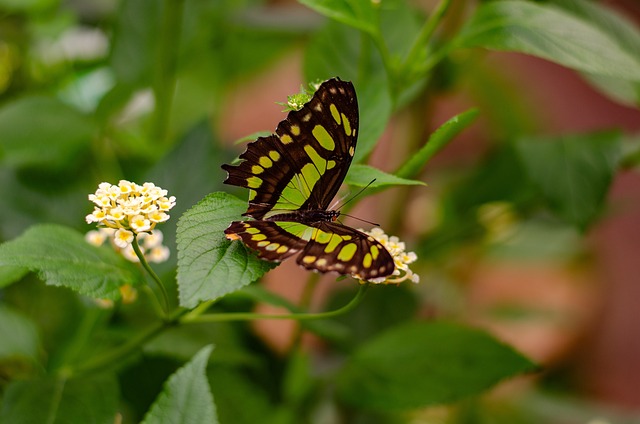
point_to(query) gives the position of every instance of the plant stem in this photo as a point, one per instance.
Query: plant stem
(249, 316)
(425, 34)
(116, 355)
(165, 71)
(151, 272)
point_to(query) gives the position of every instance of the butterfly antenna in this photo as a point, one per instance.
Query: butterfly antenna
(360, 219)
(356, 195)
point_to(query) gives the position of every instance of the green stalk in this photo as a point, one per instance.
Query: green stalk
(117, 355)
(425, 34)
(250, 316)
(165, 70)
(151, 272)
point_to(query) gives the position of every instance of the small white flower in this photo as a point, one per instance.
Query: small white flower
(95, 237)
(129, 210)
(158, 254)
(116, 214)
(130, 206)
(165, 204)
(98, 215)
(126, 187)
(139, 223)
(122, 238)
(151, 240)
(158, 216)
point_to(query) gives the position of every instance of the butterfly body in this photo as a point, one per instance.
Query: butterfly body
(293, 175)
(308, 216)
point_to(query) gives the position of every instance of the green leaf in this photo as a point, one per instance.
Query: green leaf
(376, 107)
(62, 257)
(619, 28)
(19, 335)
(11, 274)
(184, 341)
(80, 400)
(42, 131)
(573, 172)
(438, 139)
(336, 50)
(27, 6)
(359, 14)
(230, 383)
(420, 364)
(186, 397)
(209, 265)
(618, 90)
(550, 33)
(378, 313)
(360, 175)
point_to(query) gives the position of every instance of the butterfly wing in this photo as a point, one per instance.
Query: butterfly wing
(304, 163)
(336, 247)
(273, 241)
(323, 246)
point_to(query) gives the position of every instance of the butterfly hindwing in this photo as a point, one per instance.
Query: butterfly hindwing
(322, 246)
(268, 238)
(336, 247)
(303, 165)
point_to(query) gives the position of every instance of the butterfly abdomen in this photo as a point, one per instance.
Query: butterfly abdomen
(309, 216)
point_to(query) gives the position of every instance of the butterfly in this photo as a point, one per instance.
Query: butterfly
(293, 175)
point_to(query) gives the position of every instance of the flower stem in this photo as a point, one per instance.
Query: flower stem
(249, 316)
(151, 272)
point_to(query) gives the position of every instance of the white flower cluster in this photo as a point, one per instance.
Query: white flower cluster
(150, 244)
(129, 208)
(401, 258)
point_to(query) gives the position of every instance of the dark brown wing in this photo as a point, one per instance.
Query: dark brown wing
(269, 239)
(336, 247)
(304, 163)
(323, 246)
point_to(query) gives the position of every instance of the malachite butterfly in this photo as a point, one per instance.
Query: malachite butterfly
(293, 175)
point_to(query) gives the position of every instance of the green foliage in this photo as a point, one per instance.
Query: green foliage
(186, 397)
(10, 274)
(438, 139)
(625, 34)
(361, 175)
(572, 172)
(419, 364)
(62, 257)
(203, 272)
(42, 131)
(78, 400)
(552, 34)
(19, 335)
(151, 99)
(359, 14)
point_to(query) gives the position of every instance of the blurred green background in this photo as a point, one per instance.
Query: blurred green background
(528, 226)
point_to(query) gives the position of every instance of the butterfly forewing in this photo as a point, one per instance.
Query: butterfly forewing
(303, 165)
(327, 128)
